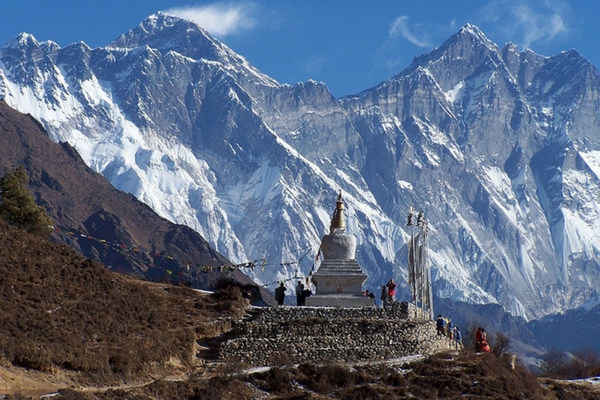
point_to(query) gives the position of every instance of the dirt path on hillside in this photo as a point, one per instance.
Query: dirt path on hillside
(19, 381)
(15, 380)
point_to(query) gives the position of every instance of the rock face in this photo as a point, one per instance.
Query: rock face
(318, 334)
(500, 148)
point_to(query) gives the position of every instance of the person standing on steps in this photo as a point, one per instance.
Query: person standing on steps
(280, 294)
(384, 296)
(391, 288)
(300, 294)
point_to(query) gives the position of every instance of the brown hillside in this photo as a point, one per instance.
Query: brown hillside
(64, 313)
(98, 220)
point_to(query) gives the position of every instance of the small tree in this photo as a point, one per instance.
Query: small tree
(18, 207)
(500, 344)
(555, 364)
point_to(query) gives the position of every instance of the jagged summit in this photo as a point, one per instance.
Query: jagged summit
(468, 44)
(164, 31)
(167, 33)
(21, 40)
(473, 30)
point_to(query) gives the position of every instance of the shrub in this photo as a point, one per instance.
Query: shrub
(500, 344)
(560, 365)
(18, 207)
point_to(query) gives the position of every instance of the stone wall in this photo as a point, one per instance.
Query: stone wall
(320, 334)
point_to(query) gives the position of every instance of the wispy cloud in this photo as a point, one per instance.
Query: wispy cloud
(529, 22)
(220, 19)
(400, 28)
(314, 65)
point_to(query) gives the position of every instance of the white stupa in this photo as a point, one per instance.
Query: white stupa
(339, 278)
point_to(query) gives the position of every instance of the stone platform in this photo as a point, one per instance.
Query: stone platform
(339, 300)
(333, 334)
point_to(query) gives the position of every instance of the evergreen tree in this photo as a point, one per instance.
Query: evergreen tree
(18, 207)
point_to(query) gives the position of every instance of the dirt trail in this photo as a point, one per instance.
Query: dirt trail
(25, 382)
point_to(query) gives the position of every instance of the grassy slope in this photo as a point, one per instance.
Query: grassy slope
(61, 311)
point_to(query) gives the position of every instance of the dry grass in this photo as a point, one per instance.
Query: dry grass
(60, 310)
(443, 376)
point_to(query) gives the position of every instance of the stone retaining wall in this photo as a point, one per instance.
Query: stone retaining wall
(320, 334)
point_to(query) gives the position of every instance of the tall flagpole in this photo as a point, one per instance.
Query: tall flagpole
(420, 223)
(419, 272)
(412, 257)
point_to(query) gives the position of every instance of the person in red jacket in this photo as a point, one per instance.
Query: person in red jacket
(481, 344)
(391, 286)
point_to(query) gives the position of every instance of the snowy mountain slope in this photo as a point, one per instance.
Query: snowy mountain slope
(499, 148)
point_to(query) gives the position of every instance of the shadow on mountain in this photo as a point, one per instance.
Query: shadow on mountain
(105, 224)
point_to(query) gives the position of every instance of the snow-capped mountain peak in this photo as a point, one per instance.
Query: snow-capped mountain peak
(499, 148)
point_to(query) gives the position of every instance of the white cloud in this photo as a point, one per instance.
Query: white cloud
(529, 22)
(220, 19)
(400, 28)
(314, 65)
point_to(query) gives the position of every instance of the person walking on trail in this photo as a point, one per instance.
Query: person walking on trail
(280, 294)
(384, 296)
(458, 339)
(391, 286)
(441, 325)
(300, 294)
(450, 329)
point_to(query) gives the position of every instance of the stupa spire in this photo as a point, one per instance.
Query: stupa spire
(338, 222)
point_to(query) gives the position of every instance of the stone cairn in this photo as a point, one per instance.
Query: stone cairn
(332, 334)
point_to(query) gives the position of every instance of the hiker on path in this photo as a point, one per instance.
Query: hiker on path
(458, 339)
(280, 294)
(441, 325)
(450, 329)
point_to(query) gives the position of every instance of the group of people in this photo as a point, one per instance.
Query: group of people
(301, 294)
(388, 293)
(445, 327)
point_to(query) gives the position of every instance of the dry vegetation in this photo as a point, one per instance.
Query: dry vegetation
(61, 311)
(445, 376)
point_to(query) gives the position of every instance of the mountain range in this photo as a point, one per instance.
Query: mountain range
(497, 146)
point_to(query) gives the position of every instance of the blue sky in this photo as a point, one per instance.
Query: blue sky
(351, 45)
